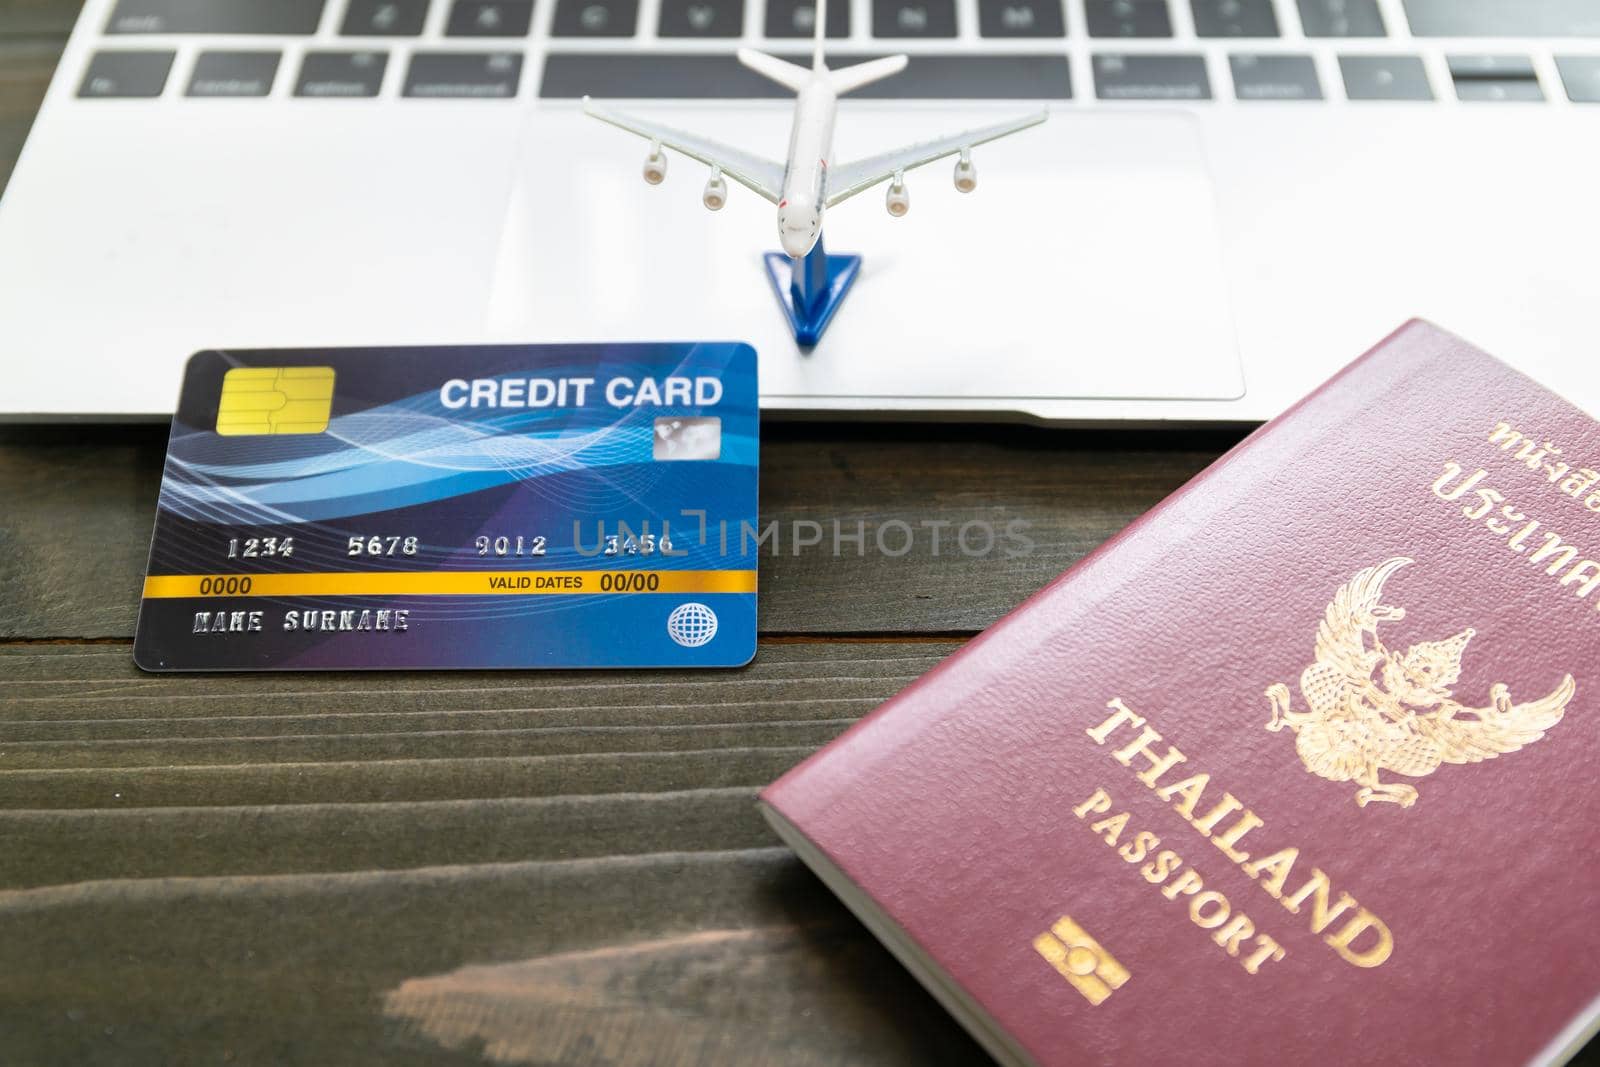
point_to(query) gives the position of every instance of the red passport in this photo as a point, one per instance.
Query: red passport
(1298, 768)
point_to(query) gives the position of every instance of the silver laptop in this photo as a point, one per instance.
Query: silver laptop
(1231, 199)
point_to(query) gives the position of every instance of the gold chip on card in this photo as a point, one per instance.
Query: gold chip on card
(275, 400)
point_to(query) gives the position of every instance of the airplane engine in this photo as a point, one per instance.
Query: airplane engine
(898, 200)
(716, 192)
(966, 176)
(655, 164)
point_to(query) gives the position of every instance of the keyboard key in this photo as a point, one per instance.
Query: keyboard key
(913, 18)
(1385, 78)
(650, 75)
(473, 75)
(1128, 18)
(1021, 18)
(1504, 18)
(569, 75)
(1491, 67)
(1341, 18)
(341, 74)
(970, 77)
(126, 74)
(1496, 91)
(234, 74)
(384, 18)
(1234, 18)
(1152, 77)
(1581, 75)
(1495, 78)
(701, 18)
(216, 16)
(596, 18)
(798, 18)
(1275, 77)
(490, 18)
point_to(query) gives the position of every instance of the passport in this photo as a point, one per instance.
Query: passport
(456, 507)
(1300, 767)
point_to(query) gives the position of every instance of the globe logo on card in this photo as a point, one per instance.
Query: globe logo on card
(692, 624)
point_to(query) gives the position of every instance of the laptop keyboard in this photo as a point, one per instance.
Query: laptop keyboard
(1276, 50)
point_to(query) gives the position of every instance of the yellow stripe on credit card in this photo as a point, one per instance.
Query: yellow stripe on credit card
(447, 583)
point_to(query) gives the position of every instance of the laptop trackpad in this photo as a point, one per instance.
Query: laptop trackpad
(1086, 265)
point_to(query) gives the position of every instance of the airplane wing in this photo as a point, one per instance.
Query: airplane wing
(754, 173)
(848, 179)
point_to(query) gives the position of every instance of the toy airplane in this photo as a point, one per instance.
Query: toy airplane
(809, 282)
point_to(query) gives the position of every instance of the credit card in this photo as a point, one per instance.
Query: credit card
(494, 506)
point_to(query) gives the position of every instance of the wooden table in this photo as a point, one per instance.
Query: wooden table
(441, 868)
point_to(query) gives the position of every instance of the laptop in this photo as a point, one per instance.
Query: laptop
(1231, 198)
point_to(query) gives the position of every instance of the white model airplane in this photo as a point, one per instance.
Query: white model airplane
(806, 185)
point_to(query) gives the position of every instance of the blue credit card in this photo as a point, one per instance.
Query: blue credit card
(496, 506)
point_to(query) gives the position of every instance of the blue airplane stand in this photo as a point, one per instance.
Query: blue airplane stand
(811, 289)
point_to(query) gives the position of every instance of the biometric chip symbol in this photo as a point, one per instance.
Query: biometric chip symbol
(1081, 960)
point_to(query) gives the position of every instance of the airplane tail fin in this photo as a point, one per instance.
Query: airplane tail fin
(852, 78)
(791, 75)
(819, 36)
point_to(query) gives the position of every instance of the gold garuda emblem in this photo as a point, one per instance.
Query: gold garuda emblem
(1372, 709)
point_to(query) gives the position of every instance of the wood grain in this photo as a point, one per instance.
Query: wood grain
(224, 776)
(25, 69)
(32, 35)
(373, 967)
(37, 18)
(590, 888)
(71, 561)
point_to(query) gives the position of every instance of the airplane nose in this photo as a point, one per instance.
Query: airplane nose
(795, 242)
